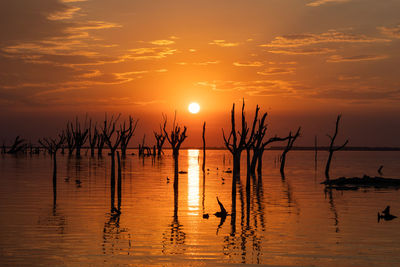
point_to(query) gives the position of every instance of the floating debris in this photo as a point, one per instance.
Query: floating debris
(365, 181)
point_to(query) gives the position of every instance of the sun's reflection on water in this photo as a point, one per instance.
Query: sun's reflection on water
(193, 182)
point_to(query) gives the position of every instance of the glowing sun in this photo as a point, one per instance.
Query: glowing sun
(194, 108)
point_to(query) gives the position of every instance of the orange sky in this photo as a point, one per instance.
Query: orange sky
(303, 61)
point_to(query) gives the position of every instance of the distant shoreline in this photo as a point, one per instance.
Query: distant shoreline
(299, 148)
(308, 148)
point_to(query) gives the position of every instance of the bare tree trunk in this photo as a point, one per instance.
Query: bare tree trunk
(328, 165)
(112, 181)
(119, 187)
(259, 159)
(54, 179)
(236, 164)
(204, 147)
(332, 148)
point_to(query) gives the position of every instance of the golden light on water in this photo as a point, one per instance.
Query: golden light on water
(194, 108)
(193, 181)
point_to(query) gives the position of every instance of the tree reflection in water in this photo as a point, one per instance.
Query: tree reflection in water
(244, 244)
(173, 239)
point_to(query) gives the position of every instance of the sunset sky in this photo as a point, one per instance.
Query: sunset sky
(302, 61)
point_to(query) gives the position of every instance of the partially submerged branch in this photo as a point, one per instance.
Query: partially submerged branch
(332, 147)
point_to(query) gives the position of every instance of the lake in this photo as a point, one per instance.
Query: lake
(290, 222)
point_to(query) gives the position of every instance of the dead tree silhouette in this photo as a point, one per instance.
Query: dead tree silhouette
(112, 143)
(100, 142)
(176, 137)
(79, 134)
(232, 143)
(332, 148)
(126, 133)
(18, 146)
(290, 141)
(52, 145)
(69, 138)
(160, 139)
(257, 143)
(92, 137)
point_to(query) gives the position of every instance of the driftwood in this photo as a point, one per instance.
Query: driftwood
(353, 183)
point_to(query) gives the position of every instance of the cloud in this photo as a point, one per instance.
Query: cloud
(248, 64)
(223, 43)
(329, 37)
(65, 14)
(162, 42)
(206, 63)
(276, 71)
(146, 53)
(92, 25)
(305, 51)
(322, 2)
(26, 20)
(255, 87)
(351, 94)
(392, 32)
(338, 58)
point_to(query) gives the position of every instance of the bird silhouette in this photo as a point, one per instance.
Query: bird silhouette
(380, 170)
(223, 212)
(386, 215)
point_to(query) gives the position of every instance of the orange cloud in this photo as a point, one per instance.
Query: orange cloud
(62, 15)
(338, 58)
(305, 51)
(275, 71)
(223, 43)
(322, 2)
(248, 64)
(331, 36)
(392, 32)
(162, 42)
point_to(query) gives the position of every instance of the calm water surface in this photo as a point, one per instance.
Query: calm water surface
(277, 222)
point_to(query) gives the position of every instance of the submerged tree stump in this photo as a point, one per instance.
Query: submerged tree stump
(344, 183)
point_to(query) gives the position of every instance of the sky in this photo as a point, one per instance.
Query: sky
(302, 61)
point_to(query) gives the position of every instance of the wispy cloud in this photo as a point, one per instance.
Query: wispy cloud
(223, 43)
(276, 71)
(254, 87)
(162, 42)
(248, 64)
(322, 2)
(302, 51)
(62, 15)
(339, 58)
(392, 32)
(331, 36)
(146, 53)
